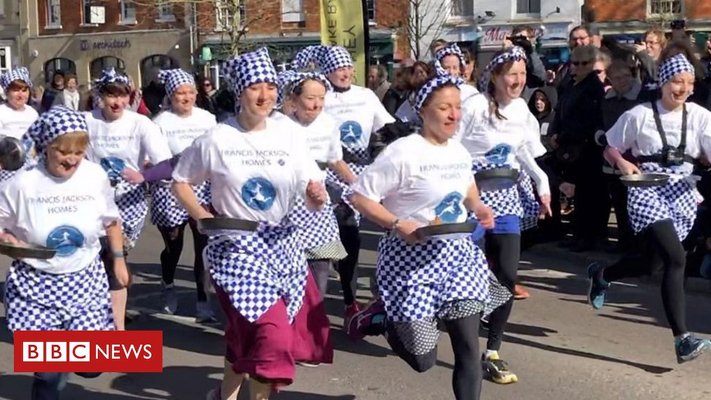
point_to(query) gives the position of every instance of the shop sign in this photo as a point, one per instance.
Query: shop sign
(104, 44)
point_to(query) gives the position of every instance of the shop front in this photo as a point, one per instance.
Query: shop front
(137, 54)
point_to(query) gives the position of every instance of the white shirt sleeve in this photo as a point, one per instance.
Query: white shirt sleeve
(335, 151)
(381, 115)
(153, 141)
(379, 179)
(110, 211)
(704, 133)
(194, 165)
(623, 133)
(529, 164)
(8, 213)
(533, 137)
(305, 167)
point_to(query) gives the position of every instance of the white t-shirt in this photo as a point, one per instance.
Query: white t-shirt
(255, 175)
(468, 91)
(67, 215)
(514, 141)
(180, 132)
(15, 123)
(323, 138)
(359, 113)
(418, 180)
(131, 138)
(636, 130)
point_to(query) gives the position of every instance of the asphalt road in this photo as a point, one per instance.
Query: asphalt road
(558, 346)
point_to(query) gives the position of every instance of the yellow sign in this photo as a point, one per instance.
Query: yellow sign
(342, 25)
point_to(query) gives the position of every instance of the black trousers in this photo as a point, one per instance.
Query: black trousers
(503, 252)
(169, 257)
(350, 238)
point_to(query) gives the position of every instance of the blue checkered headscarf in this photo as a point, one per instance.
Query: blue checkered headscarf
(16, 74)
(304, 58)
(331, 58)
(249, 69)
(673, 66)
(512, 54)
(56, 122)
(450, 50)
(433, 84)
(109, 76)
(174, 78)
(290, 80)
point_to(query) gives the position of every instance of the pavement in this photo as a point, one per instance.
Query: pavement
(559, 347)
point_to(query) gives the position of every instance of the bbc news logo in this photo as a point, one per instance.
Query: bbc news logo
(88, 351)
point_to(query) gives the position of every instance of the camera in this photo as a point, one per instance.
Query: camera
(678, 24)
(519, 40)
(672, 156)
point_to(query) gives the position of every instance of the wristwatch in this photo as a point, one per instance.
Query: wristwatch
(394, 224)
(117, 254)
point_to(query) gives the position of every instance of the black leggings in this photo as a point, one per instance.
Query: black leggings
(321, 269)
(464, 336)
(350, 237)
(662, 249)
(170, 255)
(503, 252)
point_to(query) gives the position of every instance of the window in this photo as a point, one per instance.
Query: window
(292, 10)
(225, 12)
(87, 10)
(151, 65)
(370, 9)
(98, 65)
(165, 11)
(53, 14)
(528, 6)
(128, 12)
(664, 7)
(5, 59)
(56, 65)
(462, 8)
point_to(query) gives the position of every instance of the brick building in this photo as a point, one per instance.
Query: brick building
(632, 17)
(285, 26)
(85, 36)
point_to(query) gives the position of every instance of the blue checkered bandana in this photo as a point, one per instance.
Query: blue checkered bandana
(174, 78)
(109, 76)
(249, 69)
(308, 58)
(673, 66)
(433, 84)
(17, 74)
(451, 50)
(290, 80)
(512, 54)
(332, 58)
(56, 122)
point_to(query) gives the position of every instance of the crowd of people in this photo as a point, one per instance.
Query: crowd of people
(300, 157)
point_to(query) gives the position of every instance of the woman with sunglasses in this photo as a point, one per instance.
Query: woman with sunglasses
(665, 136)
(258, 167)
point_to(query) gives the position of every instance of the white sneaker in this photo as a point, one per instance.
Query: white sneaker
(170, 297)
(205, 315)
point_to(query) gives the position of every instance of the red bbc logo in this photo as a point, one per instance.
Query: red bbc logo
(88, 351)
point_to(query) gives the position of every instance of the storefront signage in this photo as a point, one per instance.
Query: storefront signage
(494, 35)
(105, 44)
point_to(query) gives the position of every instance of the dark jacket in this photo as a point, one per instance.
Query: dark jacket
(393, 99)
(579, 114)
(544, 117)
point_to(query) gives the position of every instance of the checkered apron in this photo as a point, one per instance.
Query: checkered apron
(530, 205)
(40, 301)
(502, 202)
(318, 231)
(131, 202)
(337, 189)
(166, 211)
(257, 269)
(677, 201)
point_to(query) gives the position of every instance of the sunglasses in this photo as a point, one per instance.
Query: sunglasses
(583, 63)
(598, 71)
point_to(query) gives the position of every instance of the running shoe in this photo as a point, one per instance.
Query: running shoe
(170, 298)
(204, 313)
(370, 321)
(307, 364)
(520, 293)
(498, 369)
(691, 347)
(598, 286)
(348, 314)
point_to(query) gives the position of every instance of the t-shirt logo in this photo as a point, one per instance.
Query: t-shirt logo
(65, 240)
(258, 194)
(351, 132)
(450, 208)
(499, 154)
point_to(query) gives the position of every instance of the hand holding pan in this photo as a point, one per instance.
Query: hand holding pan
(12, 154)
(23, 250)
(496, 179)
(447, 231)
(644, 180)
(207, 225)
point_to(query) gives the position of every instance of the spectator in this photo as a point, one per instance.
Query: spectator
(436, 46)
(422, 72)
(602, 62)
(206, 96)
(378, 80)
(52, 92)
(397, 94)
(153, 95)
(70, 97)
(36, 97)
(137, 103)
(578, 36)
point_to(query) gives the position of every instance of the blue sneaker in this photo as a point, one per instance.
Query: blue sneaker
(598, 286)
(691, 347)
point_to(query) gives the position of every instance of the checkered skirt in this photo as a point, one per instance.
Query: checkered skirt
(318, 231)
(529, 204)
(166, 211)
(416, 281)
(131, 202)
(502, 202)
(40, 301)
(256, 270)
(677, 201)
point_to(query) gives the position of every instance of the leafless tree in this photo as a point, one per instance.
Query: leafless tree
(425, 19)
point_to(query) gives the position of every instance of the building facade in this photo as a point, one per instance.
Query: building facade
(9, 34)
(85, 36)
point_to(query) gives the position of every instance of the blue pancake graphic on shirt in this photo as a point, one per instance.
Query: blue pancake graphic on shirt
(113, 166)
(450, 208)
(259, 194)
(499, 154)
(65, 239)
(351, 132)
